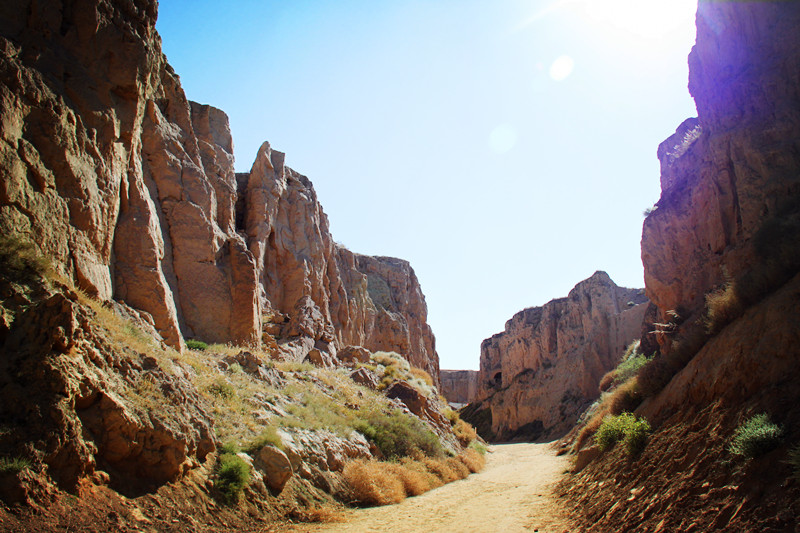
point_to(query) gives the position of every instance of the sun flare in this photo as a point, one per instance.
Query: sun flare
(644, 18)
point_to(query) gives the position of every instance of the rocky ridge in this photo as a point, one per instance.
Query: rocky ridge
(130, 189)
(539, 374)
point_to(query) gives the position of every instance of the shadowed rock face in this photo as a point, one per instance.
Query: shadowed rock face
(734, 167)
(539, 374)
(130, 189)
(459, 386)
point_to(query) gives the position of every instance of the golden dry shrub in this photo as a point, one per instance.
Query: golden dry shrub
(373, 482)
(473, 460)
(590, 428)
(723, 306)
(458, 467)
(607, 381)
(416, 465)
(324, 514)
(464, 432)
(415, 481)
(421, 374)
(440, 468)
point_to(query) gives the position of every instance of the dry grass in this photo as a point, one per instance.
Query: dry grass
(473, 460)
(422, 375)
(458, 467)
(323, 514)
(415, 481)
(441, 469)
(464, 432)
(373, 482)
(723, 306)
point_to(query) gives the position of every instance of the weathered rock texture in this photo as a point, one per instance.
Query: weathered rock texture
(735, 166)
(459, 386)
(130, 189)
(728, 213)
(538, 375)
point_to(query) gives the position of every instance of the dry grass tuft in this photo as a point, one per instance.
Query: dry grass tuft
(723, 306)
(441, 469)
(464, 432)
(473, 460)
(458, 467)
(324, 514)
(373, 482)
(415, 481)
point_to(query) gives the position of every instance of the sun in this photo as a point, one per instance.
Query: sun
(651, 19)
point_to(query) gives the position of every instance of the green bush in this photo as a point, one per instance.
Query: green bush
(268, 437)
(630, 367)
(625, 427)
(478, 447)
(222, 389)
(399, 435)
(756, 436)
(233, 476)
(12, 465)
(194, 344)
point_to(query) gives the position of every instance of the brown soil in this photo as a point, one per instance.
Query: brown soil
(513, 493)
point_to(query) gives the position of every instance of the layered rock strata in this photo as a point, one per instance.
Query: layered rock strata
(459, 386)
(539, 374)
(130, 189)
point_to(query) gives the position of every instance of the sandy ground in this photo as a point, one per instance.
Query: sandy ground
(513, 493)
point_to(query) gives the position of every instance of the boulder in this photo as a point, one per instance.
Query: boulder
(275, 466)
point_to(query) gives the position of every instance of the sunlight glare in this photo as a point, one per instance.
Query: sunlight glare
(652, 19)
(561, 68)
(502, 139)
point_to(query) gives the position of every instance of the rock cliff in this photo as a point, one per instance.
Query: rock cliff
(721, 257)
(539, 374)
(459, 386)
(130, 189)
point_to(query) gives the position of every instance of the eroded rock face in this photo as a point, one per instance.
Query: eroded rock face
(459, 386)
(130, 188)
(734, 167)
(541, 372)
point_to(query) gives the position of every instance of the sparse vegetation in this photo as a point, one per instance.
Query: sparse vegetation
(756, 436)
(397, 435)
(478, 447)
(194, 344)
(268, 437)
(233, 475)
(626, 427)
(12, 465)
(20, 261)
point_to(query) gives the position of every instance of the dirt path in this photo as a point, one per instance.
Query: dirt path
(511, 494)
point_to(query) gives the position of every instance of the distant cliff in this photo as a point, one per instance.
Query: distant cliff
(459, 386)
(539, 374)
(130, 189)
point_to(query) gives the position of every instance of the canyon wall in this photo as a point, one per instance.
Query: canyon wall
(721, 252)
(460, 386)
(129, 188)
(538, 375)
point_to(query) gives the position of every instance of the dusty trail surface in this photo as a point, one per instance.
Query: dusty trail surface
(513, 493)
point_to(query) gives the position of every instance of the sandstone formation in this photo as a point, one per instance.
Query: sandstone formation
(728, 216)
(130, 188)
(735, 167)
(459, 386)
(539, 374)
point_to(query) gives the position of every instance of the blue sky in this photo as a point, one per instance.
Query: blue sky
(505, 148)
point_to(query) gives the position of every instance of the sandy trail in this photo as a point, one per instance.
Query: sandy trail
(513, 493)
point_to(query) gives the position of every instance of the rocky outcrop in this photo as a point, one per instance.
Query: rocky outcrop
(538, 375)
(130, 188)
(728, 215)
(735, 167)
(459, 386)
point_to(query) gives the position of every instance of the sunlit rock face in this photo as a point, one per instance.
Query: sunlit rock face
(459, 386)
(539, 374)
(130, 189)
(736, 166)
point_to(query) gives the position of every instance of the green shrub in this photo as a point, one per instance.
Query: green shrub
(625, 427)
(399, 435)
(478, 447)
(229, 448)
(233, 476)
(268, 437)
(222, 389)
(194, 344)
(630, 367)
(12, 465)
(756, 436)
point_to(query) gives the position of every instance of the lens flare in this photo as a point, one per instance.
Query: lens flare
(561, 68)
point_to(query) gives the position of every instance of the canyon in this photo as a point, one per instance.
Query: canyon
(185, 314)
(129, 188)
